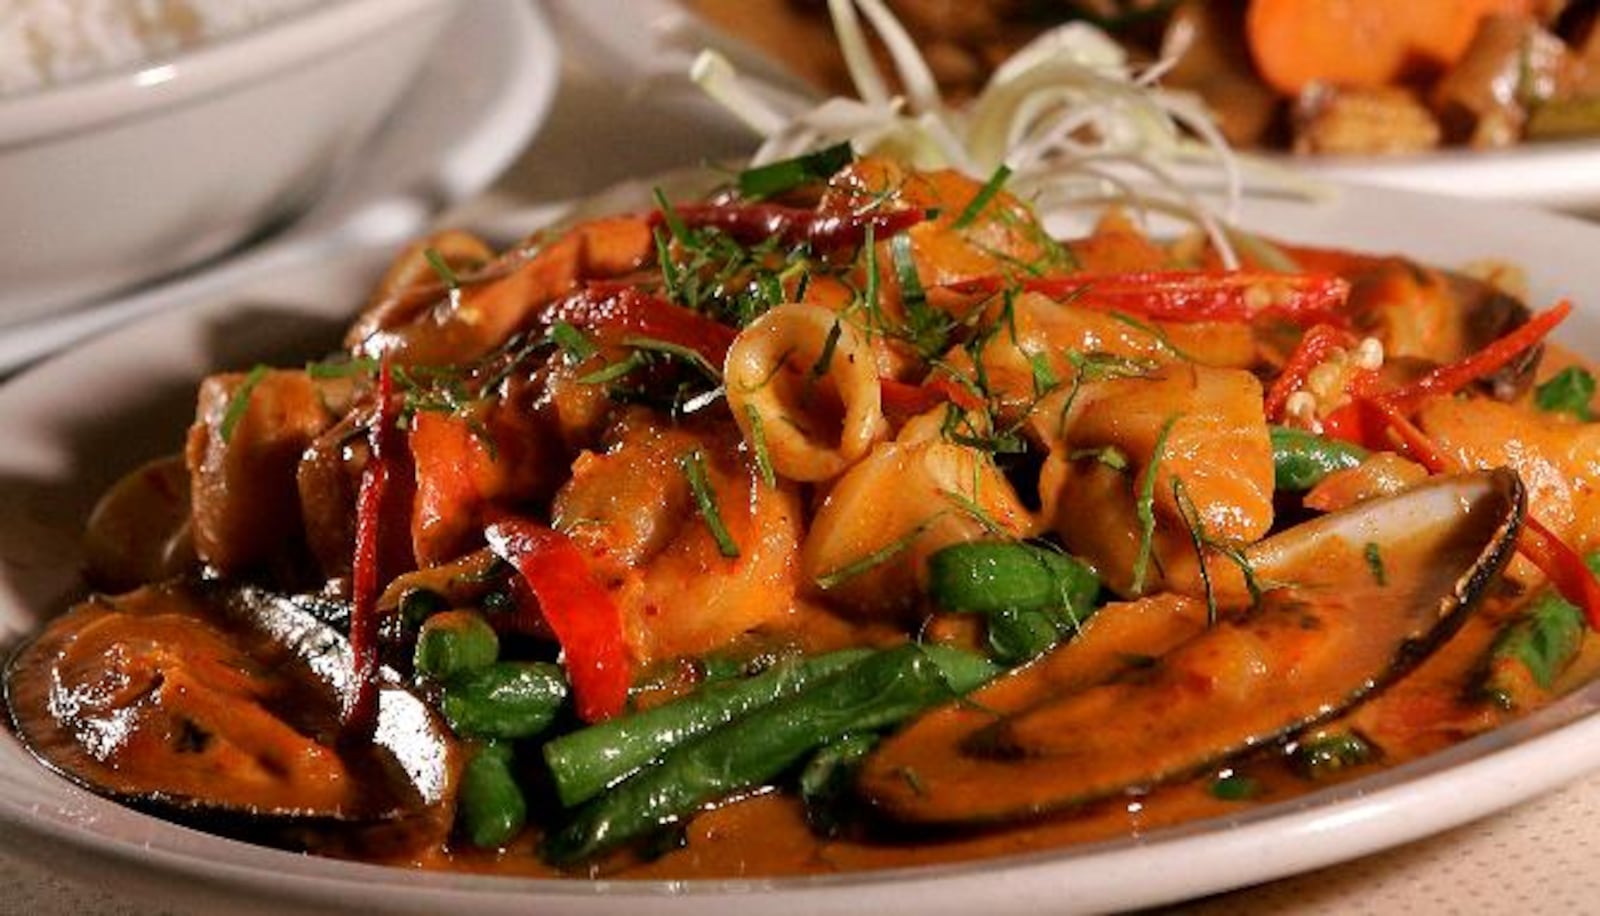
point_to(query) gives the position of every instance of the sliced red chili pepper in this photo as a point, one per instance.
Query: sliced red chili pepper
(620, 307)
(752, 224)
(361, 714)
(903, 400)
(1191, 295)
(1458, 375)
(578, 609)
(1312, 351)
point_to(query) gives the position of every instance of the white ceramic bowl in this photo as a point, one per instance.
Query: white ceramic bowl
(120, 179)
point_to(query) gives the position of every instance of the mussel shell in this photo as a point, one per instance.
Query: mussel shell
(1357, 599)
(209, 702)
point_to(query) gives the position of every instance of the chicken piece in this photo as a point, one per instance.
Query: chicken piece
(869, 554)
(1215, 443)
(242, 454)
(632, 510)
(1559, 460)
(1362, 122)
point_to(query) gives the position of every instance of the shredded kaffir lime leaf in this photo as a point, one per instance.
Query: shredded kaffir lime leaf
(240, 402)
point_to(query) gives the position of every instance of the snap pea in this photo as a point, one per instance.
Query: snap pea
(490, 808)
(453, 642)
(1032, 597)
(504, 700)
(873, 693)
(1301, 459)
(584, 762)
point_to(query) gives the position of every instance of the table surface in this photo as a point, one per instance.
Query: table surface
(1538, 858)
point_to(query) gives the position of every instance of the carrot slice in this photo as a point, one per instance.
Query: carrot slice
(1362, 43)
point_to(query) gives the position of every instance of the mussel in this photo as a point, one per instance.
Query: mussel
(1152, 692)
(204, 702)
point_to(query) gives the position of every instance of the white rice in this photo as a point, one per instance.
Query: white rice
(46, 42)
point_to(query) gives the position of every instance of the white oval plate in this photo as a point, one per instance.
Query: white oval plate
(479, 97)
(78, 421)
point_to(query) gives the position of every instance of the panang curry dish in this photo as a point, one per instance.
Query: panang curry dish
(842, 520)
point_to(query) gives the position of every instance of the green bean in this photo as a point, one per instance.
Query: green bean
(453, 642)
(504, 700)
(1301, 459)
(1032, 597)
(490, 808)
(584, 762)
(874, 693)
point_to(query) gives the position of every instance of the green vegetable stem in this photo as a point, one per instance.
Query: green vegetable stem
(874, 693)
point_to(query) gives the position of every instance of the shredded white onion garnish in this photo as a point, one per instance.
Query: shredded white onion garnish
(1077, 124)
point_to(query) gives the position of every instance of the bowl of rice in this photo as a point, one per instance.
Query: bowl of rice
(140, 137)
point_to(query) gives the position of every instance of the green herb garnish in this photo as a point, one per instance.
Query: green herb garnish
(981, 199)
(240, 402)
(440, 266)
(693, 466)
(1374, 557)
(1569, 391)
(777, 177)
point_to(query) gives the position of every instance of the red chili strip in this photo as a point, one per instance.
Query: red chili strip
(751, 224)
(1492, 358)
(578, 609)
(903, 400)
(361, 715)
(620, 307)
(1188, 295)
(1313, 349)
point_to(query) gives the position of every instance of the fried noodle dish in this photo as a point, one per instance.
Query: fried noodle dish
(841, 519)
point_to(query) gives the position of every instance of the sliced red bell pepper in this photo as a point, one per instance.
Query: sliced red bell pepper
(1190, 295)
(752, 224)
(1449, 379)
(577, 608)
(621, 307)
(361, 713)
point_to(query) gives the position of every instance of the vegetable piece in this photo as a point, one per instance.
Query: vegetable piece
(1301, 459)
(361, 715)
(490, 808)
(504, 700)
(1033, 597)
(693, 465)
(578, 609)
(876, 692)
(453, 643)
(1577, 118)
(787, 174)
(1530, 653)
(1191, 295)
(584, 762)
(1361, 43)
(1569, 391)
